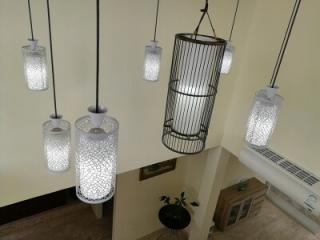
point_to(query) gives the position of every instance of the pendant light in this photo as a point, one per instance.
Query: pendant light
(228, 54)
(194, 78)
(96, 148)
(266, 105)
(35, 62)
(152, 57)
(56, 131)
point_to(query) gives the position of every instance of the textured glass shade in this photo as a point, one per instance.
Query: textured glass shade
(263, 117)
(35, 66)
(57, 144)
(194, 78)
(96, 157)
(152, 62)
(227, 58)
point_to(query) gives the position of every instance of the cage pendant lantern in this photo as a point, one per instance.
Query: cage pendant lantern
(267, 103)
(96, 148)
(229, 52)
(35, 62)
(56, 131)
(152, 56)
(194, 78)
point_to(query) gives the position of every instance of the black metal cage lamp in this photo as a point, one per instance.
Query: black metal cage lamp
(194, 78)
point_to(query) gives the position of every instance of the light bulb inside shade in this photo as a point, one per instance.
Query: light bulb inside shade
(35, 66)
(263, 117)
(191, 95)
(57, 144)
(96, 156)
(152, 62)
(227, 58)
(189, 110)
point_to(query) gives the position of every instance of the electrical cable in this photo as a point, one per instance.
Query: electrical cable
(52, 63)
(30, 19)
(285, 43)
(156, 23)
(234, 19)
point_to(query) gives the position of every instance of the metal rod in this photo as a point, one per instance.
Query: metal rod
(52, 63)
(156, 24)
(285, 43)
(98, 57)
(234, 19)
(30, 19)
(213, 30)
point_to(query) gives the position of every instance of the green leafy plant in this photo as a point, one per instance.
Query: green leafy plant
(242, 185)
(178, 201)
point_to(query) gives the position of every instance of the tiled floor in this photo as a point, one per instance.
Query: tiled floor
(271, 224)
(165, 236)
(72, 222)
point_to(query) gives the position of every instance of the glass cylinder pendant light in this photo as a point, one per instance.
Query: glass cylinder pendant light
(56, 132)
(152, 57)
(152, 62)
(35, 62)
(264, 115)
(96, 149)
(96, 156)
(57, 146)
(193, 84)
(228, 54)
(227, 58)
(266, 105)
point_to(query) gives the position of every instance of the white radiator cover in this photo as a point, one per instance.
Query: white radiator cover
(293, 209)
(305, 195)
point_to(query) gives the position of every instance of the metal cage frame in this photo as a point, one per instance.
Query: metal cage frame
(194, 79)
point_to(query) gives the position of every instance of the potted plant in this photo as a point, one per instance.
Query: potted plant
(174, 214)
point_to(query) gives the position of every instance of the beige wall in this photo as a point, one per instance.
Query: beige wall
(297, 133)
(211, 182)
(126, 27)
(236, 171)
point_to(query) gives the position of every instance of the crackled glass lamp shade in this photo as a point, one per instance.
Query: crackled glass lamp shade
(152, 62)
(96, 156)
(227, 58)
(35, 66)
(57, 143)
(263, 117)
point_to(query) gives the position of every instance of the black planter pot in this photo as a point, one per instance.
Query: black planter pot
(174, 217)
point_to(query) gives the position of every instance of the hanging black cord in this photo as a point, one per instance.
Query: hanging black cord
(214, 32)
(204, 13)
(234, 19)
(30, 19)
(52, 65)
(156, 24)
(285, 43)
(98, 44)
